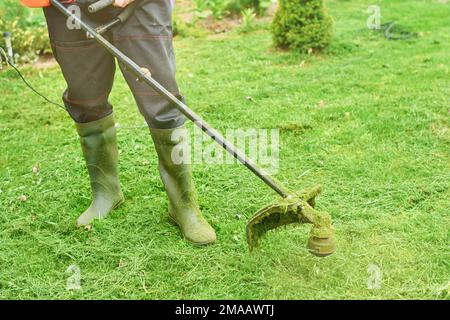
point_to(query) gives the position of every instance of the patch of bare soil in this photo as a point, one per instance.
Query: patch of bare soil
(185, 12)
(219, 26)
(45, 62)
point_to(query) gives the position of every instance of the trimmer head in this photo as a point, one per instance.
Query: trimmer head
(296, 208)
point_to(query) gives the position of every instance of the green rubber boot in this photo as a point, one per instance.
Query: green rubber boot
(99, 145)
(177, 179)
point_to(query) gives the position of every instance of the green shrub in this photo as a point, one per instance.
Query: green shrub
(301, 25)
(248, 19)
(28, 29)
(217, 8)
(178, 26)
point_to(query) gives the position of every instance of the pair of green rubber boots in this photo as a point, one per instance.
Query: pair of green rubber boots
(99, 145)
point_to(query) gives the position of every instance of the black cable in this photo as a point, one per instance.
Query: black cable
(399, 32)
(402, 33)
(2, 51)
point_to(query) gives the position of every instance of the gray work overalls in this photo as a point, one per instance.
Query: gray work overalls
(146, 37)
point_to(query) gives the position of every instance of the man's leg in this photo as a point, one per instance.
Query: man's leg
(147, 39)
(89, 72)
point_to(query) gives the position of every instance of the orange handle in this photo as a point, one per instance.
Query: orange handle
(36, 3)
(42, 3)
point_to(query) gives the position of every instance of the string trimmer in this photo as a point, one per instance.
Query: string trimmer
(292, 208)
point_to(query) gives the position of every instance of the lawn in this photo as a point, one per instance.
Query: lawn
(368, 119)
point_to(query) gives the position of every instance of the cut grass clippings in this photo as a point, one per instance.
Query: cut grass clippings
(368, 119)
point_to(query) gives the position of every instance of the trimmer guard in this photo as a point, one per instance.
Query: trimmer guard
(296, 208)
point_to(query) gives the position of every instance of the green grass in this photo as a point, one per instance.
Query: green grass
(380, 146)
